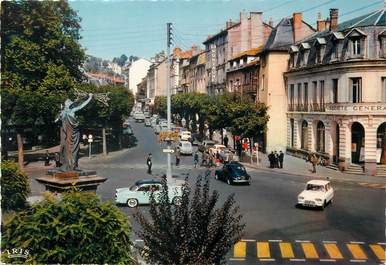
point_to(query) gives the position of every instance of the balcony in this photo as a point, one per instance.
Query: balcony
(310, 107)
(249, 88)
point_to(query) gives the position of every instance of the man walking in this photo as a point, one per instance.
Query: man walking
(149, 164)
(47, 159)
(271, 159)
(276, 160)
(195, 159)
(281, 159)
(226, 140)
(177, 156)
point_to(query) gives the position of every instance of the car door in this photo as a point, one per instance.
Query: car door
(330, 192)
(143, 194)
(226, 172)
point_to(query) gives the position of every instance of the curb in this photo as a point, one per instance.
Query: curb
(310, 176)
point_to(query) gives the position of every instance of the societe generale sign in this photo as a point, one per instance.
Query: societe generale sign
(357, 108)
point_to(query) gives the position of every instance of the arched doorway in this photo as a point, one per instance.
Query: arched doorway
(320, 137)
(304, 136)
(357, 143)
(381, 144)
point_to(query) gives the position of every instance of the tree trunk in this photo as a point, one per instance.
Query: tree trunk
(20, 150)
(222, 136)
(104, 145)
(210, 134)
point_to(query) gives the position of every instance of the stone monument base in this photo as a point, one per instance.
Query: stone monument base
(61, 181)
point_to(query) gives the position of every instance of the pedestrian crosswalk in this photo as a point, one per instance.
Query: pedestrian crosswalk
(373, 185)
(304, 250)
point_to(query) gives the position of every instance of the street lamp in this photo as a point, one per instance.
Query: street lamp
(90, 140)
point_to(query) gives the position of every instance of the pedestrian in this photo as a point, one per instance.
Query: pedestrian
(239, 148)
(149, 164)
(195, 159)
(276, 160)
(314, 161)
(270, 158)
(47, 159)
(281, 159)
(177, 156)
(57, 160)
(204, 160)
(226, 140)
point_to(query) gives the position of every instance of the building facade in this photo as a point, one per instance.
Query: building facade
(336, 93)
(272, 88)
(135, 72)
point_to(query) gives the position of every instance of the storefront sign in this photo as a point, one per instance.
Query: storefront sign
(361, 108)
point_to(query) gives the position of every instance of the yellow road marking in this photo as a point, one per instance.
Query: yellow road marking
(378, 251)
(310, 251)
(286, 250)
(356, 251)
(263, 250)
(240, 249)
(333, 251)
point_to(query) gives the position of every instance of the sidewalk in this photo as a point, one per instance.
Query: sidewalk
(299, 167)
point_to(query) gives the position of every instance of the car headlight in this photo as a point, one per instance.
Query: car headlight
(318, 200)
(301, 198)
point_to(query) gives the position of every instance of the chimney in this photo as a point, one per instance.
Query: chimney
(333, 19)
(228, 24)
(270, 22)
(297, 26)
(320, 24)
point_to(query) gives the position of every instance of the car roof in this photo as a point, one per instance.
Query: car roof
(318, 182)
(147, 181)
(233, 164)
(219, 145)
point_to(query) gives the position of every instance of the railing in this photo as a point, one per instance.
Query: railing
(249, 88)
(310, 107)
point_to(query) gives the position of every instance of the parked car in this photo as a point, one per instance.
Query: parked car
(139, 117)
(139, 193)
(185, 136)
(186, 148)
(233, 173)
(147, 122)
(205, 145)
(317, 193)
(157, 129)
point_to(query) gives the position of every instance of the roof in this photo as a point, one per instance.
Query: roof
(148, 181)
(217, 35)
(318, 182)
(375, 18)
(281, 36)
(251, 52)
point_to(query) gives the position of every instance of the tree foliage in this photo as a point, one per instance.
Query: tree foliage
(14, 187)
(78, 229)
(160, 105)
(196, 232)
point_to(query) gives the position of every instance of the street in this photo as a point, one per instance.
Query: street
(348, 230)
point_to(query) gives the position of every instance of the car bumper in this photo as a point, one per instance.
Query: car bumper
(241, 180)
(308, 203)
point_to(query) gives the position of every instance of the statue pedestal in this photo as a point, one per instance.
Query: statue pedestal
(61, 181)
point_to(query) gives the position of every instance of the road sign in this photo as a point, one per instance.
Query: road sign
(168, 151)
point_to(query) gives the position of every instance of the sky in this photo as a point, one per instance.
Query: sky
(133, 27)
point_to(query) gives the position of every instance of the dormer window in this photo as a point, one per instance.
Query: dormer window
(320, 45)
(357, 47)
(336, 39)
(294, 50)
(305, 50)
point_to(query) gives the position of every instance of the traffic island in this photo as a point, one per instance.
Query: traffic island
(59, 181)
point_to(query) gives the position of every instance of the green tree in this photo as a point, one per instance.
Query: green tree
(120, 60)
(196, 232)
(159, 106)
(77, 229)
(41, 59)
(14, 187)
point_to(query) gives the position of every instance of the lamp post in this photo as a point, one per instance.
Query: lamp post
(90, 140)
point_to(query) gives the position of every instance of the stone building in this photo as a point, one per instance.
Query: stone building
(336, 93)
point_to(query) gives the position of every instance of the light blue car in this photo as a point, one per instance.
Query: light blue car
(139, 193)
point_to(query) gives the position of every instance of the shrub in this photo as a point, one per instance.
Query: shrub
(76, 229)
(14, 187)
(193, 233)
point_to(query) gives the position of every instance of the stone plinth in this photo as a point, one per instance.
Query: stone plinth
(59, 181)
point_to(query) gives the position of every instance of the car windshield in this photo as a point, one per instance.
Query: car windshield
(133, 187)
(239, 168)
(314, 187)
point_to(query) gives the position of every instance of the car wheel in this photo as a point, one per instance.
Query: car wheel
(229, 182)
(177, 201)
(132, 203)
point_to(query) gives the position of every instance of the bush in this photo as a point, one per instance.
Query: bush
(77, 229)
(14, 187)
(193, 233)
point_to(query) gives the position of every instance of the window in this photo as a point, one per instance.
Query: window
(144, 188)
(299, 93)
(262, 82)
(292, 124)
(321, 92)
(383, 46)
(383, 89)
(304, 138)
(315, 92)
(305, 101)
(334, 90)
(356, 46)
(292, 95)
(356, 90)
(320, 137)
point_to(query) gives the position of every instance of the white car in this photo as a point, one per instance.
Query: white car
(318, 193)
(185, 136)
(217, 148)
(186, 148)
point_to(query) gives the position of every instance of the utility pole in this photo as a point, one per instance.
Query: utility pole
(168, 64)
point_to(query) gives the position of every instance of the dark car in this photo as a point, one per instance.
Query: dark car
(233, 173)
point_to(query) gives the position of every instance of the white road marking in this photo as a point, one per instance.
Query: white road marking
(248, 240)
(297, 259)
(302, 241)
(275, 240)
(381, 243)
(328, 241)
(328, 260)
(267, 259)
(357, 260)
(357, 242)
(236, 259)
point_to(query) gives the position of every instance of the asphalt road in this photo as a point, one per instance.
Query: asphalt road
(346, 232)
